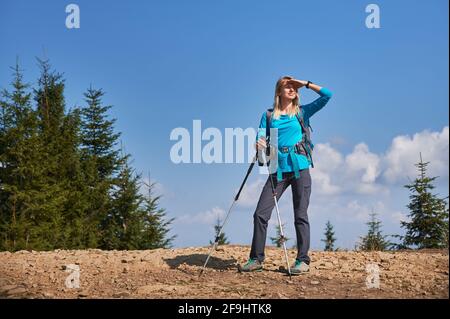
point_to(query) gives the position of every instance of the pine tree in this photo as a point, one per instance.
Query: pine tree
(79, 230)
(222, 239)
(98, 137)
(31, 213)
(374, 240)
(428, 225)
(120, 227)
(60, 165)
(329, 237)
(17, 148)
(155, 227)
(100, 163)
(50, 102)
(278, 240)
(134, 221)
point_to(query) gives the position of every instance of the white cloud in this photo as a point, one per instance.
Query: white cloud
(357, 174)
(362, 211)
(322, 183)
(399, 217)
(371, 189)
(362, 160)
(208, 217)
(366, 173)
(357, 210)
(404, 153)
(350, 189)
(250, 193)
(328, 162)
(327, 158)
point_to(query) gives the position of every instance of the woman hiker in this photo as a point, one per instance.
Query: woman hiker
(293, 169)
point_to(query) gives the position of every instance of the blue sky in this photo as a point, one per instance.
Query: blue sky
(163, 64)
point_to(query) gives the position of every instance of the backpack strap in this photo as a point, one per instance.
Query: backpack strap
(299, 116)
(305, 143)
(305, 130)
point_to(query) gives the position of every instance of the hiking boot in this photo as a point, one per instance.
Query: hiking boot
(251, 265)
(299, 267)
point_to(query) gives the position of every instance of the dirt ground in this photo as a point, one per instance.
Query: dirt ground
(174, 273)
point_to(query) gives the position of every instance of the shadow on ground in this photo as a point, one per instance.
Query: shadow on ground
(199, 260)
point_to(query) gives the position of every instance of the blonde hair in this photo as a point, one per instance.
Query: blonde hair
(294, 109)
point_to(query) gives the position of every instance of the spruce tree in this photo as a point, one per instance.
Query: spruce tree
(120, 227)
(100, 163)
(59, 188)
(155, 224)
(222, 240)
(428, 214)
(99, 140)
(329, 237)
(18, 147)
(278, 240)
(374, 240)
(79, 230)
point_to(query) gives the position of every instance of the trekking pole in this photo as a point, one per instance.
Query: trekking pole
(282, 238)
(216, 241)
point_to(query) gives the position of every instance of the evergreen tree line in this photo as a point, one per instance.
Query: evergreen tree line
(64, 181)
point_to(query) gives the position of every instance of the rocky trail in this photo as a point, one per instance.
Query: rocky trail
(173, 273)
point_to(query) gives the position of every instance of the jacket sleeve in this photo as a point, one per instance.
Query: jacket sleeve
(311, 108)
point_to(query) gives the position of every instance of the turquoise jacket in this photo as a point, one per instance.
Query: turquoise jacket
(290, 132)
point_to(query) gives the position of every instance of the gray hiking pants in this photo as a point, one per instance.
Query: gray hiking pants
(301, 191)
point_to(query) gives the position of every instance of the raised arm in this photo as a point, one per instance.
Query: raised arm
(325, 95)
(311, 108)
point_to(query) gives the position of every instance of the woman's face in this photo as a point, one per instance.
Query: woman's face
(288, 91)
